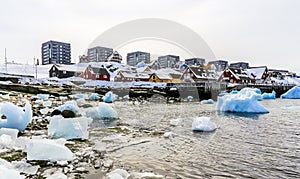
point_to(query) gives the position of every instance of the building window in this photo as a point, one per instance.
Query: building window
(104, 76)
(64, 72)
(97, 76)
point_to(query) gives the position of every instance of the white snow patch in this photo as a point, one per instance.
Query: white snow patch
(47, 103)
(203, 124)
(13, 133)
(69, 105)
(6, 173)
(209, 101)
(43, 97)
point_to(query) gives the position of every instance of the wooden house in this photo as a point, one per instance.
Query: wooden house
(192, 74)
(160, 78)
(64, 71)
(96, 73)
(129, 76)
(233, 75)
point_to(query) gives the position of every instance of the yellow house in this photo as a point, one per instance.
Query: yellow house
(175, 77)
(160, 78)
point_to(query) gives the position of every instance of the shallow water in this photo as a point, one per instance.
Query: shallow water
(243, 146)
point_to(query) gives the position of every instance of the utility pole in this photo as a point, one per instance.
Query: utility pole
(5, 61)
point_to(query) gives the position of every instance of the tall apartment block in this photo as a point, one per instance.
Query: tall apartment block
(134, 58)
(168, 61)
(221, 65)
(195, 61)
(99, 54)
(54, 52)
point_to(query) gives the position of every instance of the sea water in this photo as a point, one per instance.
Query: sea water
(242, 146)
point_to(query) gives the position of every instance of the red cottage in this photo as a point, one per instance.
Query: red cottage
(95, 73)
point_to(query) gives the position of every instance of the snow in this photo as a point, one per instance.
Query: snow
(6, 141)
(24, 167)
(46, 149)
(209, 101)
(44, 111)
(47, 103)
(69, 105)
(4, 96)
(269, 95)
(109, 97)
(103, 111)
(79, 96)
(94, 97)
(293, 93)
(6, 173)
(16, 117)
(203, 124)
(245, 101)
(69, 128)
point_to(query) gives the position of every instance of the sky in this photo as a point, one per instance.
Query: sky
(261, 32)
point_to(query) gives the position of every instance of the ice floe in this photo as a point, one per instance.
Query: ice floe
(209, 101)
(118, 173)
(94, 96)
(109, 97)
(69, 128)
(293, 93)
(103, 111)
(245, 101)
(203, 124)
(43, 97)
(46, 149)
(69, 105)
(269, 95)
(7, 173)
(15, 117)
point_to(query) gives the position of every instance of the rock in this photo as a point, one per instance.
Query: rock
(108, 163)
(56, 112)
(118, 173)
(68, 114)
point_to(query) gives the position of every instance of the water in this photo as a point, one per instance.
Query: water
(243, 146)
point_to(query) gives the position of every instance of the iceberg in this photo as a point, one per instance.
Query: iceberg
(69, 105)
(269, 95)
(13, 133)
(209, 101)
(245, 101)
(109, 97)
(103, 111)
(46, 149)
(94, 97)
(69, 128)
(293, 93)
(203, 124)
(15, 117)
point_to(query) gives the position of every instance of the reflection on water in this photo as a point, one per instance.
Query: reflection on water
(243, 146)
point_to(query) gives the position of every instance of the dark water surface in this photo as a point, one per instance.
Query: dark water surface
(243, 146)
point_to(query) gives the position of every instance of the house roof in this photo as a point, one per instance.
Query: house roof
(162, 76)
(239, 73)
(130, 74)
(96, 70)
(256, 73)
(202, 73)
(72, 68)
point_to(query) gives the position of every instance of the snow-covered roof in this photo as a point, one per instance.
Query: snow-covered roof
(73, 68)
(255, 73)
(162, 76)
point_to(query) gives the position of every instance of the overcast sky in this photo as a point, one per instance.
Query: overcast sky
(261, 32)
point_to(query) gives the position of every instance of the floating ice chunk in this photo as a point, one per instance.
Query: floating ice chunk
(94, 96)
(269, 95)
(24, 167)
(46, 149)
(245, 101)
(6, 173)
(13, 133)
(126, 97)
(54, 174)
(47, 103)
(6, 96)
(5, 141)
(103, 111)
(78, 96)
(69, 128)
(5, 163)
(176, 122)
(293, 93)
(109, 97)
(69, 105)
(63, 98)
(190, 98)
(146, 175)
(15, 117)
(44, 111)
(203, 124)
(118, 173)
(209, 101)
(43, 97)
